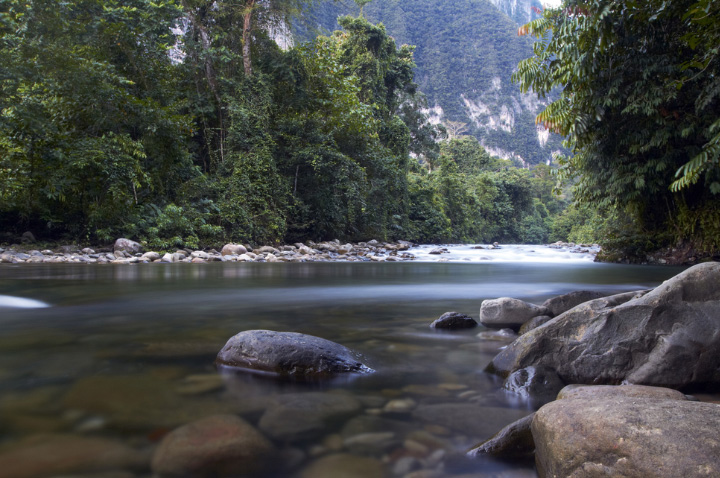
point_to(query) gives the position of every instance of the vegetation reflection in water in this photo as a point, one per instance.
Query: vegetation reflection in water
(127, 353)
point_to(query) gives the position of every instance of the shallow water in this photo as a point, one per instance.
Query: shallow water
(126, 352)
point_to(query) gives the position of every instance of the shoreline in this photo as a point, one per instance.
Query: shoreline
(129, 252)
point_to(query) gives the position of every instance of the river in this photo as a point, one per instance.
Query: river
(127, 352)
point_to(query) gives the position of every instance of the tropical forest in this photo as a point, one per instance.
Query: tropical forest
(190, 123)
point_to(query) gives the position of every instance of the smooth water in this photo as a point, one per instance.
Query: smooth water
(127, 352)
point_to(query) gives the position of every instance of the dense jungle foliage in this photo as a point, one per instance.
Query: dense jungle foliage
(465, 51)
(183, 124)
(640, 110)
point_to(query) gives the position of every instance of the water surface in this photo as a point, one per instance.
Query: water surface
(126, 352)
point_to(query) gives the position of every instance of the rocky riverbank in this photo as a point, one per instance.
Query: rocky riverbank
(125, 251)
(666, 337)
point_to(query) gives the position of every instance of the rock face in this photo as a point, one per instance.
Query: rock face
(126, 245)
(218, 445)
(562, 303)
(454, 320)
(628, 437)
(668, 337)
(288, 354)
(507, 312)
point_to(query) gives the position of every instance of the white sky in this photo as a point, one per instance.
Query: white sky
(551, 3)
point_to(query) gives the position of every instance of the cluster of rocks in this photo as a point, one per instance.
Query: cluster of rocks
(576, 248)
(126, 251)
(667, 337)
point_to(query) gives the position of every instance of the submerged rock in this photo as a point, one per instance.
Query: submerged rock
(667, 337)
(507, 312)
(303, 416)
(629, 437)
(55, 455)
(344, 465)
(454, 320)
(289, 354)
(218, 445)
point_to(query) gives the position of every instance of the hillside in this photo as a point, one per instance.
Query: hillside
(465, 52)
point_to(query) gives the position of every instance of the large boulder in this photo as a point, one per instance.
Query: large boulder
(562, 303)
(667, 337)
(126, 245)
(288, 354)
(628, 437)
(218, 445)
(508, 313)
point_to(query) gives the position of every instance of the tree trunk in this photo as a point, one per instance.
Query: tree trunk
(247, 27)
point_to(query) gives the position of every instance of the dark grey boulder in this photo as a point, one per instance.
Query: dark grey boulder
(454, 320)
(627, 437)
(288, 354)
(563, 303)
(667, 337)
(513, 441)
(539, 385)
(509, 313)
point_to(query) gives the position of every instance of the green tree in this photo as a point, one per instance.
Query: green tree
(638, 107)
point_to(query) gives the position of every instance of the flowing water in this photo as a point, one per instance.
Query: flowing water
(127, 353)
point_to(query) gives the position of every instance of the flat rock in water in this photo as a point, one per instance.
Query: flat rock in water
(344, 465)
(454, 320)
(669, 337)
(289, 354)
(219, 445)
(55, 455)
(303, 416)
(627, 437)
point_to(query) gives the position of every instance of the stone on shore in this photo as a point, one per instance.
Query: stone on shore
(454, 320)
(126, 245)
(289, 354)
(667, 337)
(233, 250)
(218, 445)
(507, 312)
(627, 437)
